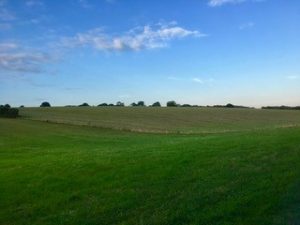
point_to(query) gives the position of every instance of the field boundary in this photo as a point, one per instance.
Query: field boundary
(145, 131)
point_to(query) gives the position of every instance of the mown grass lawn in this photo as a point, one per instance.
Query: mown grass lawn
(65, 174)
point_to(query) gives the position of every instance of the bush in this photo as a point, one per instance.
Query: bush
(120, 104)
(13, 113)
(156, 104)
(103, 104)
(45, 104)
(3, 110)
(229, 105)
(6, 111)
(171, 104)
(141, 103)
(84, 105)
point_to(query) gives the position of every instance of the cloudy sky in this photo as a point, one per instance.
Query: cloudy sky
(191, 51)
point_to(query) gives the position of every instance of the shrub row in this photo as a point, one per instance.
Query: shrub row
(7, 112)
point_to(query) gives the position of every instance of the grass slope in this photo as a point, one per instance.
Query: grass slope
(63, 174)
(166, 120)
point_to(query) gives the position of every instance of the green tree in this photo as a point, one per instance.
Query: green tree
(141, 103)
(171, 104)
(45, 104)
(156, 104)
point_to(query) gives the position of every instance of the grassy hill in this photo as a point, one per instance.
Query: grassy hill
(54, 173)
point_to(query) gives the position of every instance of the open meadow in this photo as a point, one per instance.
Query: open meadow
(162, 166)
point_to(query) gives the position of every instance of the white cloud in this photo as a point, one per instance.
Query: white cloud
(33, 3)
(6, 15)
(197, 80)
(22, 62)
(246, 26)
(147, 37)
(215, 3)
(5, 26)
(15, 59)
(110, 1)
(7, 46)
(293, 77)
(85, 4)
(194, 79)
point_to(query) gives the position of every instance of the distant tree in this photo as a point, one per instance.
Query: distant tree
(283, 107)
(7, 106)
(134, 104)
(141, 103)
(171, 104)
(103, 104)
(111, 104)
(84, 104)
(13, 113)
(45, 104)
(3, 110)
(120, 104)
(229, 105)
(8, 112)
(156, 104)
(22, 106)
(186, 105)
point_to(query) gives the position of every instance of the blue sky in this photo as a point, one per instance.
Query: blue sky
(192, 51)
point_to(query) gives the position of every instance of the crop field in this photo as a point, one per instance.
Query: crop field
(150, 166)
(167, 119)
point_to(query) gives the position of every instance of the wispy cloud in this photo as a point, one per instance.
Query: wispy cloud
(110, 1)
(245, 26)
(194, 79)
(293, 77)
(33, 3)
(5, 26)
(7, 46)
(147, 37)
(197, 80)
(13, 58)
(215, 3)
(85, 4)
(6, 15)
(22, 62)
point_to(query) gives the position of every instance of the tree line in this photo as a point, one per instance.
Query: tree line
(174, 104)
(8, 112)
(122, 104)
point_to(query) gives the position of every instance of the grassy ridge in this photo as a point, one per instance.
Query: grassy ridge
(62, 174)
(167, 120)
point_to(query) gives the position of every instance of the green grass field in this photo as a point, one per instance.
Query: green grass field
(129, 166)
